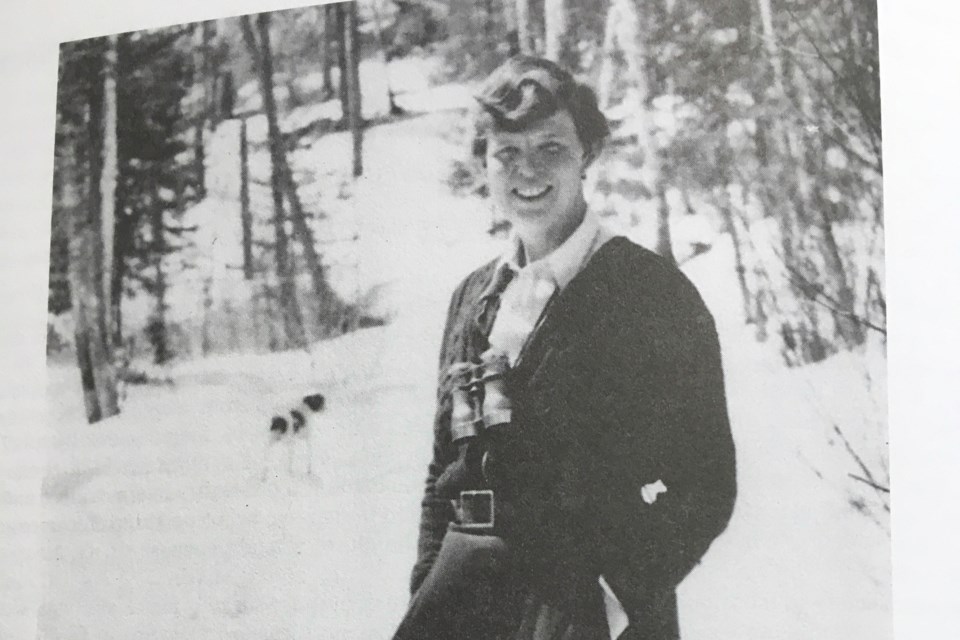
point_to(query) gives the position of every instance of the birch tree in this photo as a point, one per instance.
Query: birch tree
(329, 305)
(395, 109)
(246, 217)
(86, 162)
(560, 40)
(108, 185)
(524, 30)
(343, 82)
(327, 13)
(202, 70)
(725, 159)
(97, 376)
(351, 43)
(509, 10)
(157, 327)
(628, 75)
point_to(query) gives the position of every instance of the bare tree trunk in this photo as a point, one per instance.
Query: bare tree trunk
(632, 42)
(725, 160)
(658, 173)
(199, 161)
(289, 306)
(233, 330)
(524, 37)
(123, 226)
(259, 317)
(206, 342)
(108, 181)
(208, 31)
(560, 40)
(343, 82)
(158, 330)
(328, 302)
(268, 305)
(246, 218)
(88, 274)
(82, 285)
(770, 43)
(775, 138)
(664, 241)
(555, 27)
(226, 96)
(329, 16)
(395, 109)
(294, 99)
(327, 299)
(608, 56)
(199, 78)
(103, 181)
(509, 10)
(91, 158)
(122, 243)
(729, 221)
(625, 44)
(845, 316)
(738, 263)
(352, 48)
(201, 65)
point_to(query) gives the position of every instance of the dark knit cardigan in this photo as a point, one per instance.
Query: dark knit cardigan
(619, 387)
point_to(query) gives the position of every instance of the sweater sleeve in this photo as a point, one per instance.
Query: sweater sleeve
(435, 512)
(667, 422)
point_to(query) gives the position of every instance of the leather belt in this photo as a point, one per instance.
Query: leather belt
(475, 511)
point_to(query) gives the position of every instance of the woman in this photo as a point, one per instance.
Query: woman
(583, 460)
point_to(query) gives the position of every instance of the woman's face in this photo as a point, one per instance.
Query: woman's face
(535, 175)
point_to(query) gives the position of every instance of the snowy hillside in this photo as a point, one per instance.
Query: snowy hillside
(156, 523)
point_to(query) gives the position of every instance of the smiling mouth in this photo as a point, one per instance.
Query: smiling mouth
(531, 194)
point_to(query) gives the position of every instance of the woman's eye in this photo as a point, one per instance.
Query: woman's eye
(506, 154)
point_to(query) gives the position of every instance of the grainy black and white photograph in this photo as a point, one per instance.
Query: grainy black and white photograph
(499, 319)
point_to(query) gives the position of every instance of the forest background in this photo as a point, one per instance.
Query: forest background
(763, 117)
(683, 256)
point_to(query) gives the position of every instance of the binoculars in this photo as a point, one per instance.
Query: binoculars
(479, 405)
(479, 396)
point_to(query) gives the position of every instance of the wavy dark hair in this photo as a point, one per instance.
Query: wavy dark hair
(525, 90)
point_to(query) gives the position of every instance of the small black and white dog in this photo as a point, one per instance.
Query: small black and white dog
(293, 425)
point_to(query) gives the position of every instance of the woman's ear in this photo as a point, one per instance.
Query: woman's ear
(589, 157)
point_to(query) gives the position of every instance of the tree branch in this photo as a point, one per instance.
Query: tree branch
(248, 36)
(869, 483)
(853, 454)
(842, 127)
(844, 83)
(814, 291)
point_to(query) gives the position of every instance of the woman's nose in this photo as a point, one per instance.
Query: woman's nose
(528, 165)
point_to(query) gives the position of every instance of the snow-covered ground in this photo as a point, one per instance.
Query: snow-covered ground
(155, 524)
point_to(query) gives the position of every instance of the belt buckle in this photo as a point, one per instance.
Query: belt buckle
(476, 509)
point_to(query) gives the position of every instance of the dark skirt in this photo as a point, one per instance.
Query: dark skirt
(475, 591)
